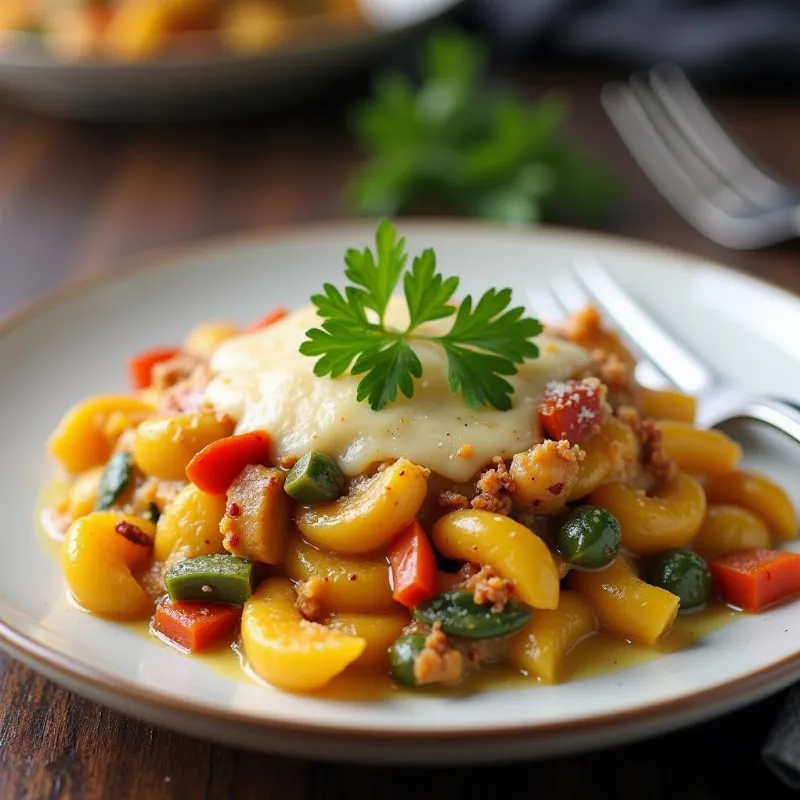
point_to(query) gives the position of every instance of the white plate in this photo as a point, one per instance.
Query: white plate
(76, 344)
(212, 84)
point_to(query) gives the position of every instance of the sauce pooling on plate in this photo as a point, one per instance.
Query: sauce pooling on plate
(265, 383)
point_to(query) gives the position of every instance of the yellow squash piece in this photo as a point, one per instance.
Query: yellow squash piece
(626, 604)
(758, 494)
(165, 445)
(80, 441)
(189, 526)
(287, 650)
(727, 529)
(100, 559)
(544, 477)
(378, 630)
(663, 404)
(696, 450)
(652, 523)
(517, 553)
(205, 338)
(345, 583)
(541, 646)
(370, 514)
(607, 454)
(83, 493)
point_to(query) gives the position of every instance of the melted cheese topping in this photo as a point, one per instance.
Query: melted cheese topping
(265, 383)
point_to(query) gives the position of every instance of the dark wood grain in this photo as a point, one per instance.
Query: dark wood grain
(77, 199)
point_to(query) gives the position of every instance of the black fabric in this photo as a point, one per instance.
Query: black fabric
(724, 41)
(781, 752)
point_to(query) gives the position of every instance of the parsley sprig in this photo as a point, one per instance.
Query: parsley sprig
(451, 142)
(487, 340)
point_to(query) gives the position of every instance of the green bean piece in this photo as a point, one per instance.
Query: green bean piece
(590, 538)
(461, 616)
(683, 573)
(115, 479)
(212, 579)
(402, 657)
(315, 478)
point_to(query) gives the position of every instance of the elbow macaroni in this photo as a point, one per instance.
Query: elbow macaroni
(333, 578)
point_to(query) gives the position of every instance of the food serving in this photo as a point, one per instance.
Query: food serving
(407, 482)
(132, 30)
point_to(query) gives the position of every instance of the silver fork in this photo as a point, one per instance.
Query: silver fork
(697, 165)
(718, 400)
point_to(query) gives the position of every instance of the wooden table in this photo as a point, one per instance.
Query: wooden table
(76, 199)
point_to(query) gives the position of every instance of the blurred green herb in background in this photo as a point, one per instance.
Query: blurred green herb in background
(454, 144)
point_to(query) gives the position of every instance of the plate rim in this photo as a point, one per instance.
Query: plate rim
(73, 672)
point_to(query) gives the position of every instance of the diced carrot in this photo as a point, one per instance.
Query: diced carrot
(213, 469)
(758, 578)
(140, 366)
(572, 410)
(195, 626)
(268, 319)
(413, 564)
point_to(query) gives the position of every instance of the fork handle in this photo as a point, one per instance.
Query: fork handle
(780, 414)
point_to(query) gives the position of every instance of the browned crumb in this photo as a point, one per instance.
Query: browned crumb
(166, 374)
(494, 503)
(495, 486)
(452, 501)
(489, 587)
(653, 458)
(309, 596)
(438, 662)
(497, 478)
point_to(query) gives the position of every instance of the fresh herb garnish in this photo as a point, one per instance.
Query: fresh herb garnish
(486, 341)
(456, 145)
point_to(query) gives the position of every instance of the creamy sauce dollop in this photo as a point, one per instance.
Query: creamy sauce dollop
(265, 383)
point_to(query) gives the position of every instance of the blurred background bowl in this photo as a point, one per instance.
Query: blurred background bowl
(194, 74)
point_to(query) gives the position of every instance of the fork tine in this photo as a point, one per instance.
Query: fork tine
(652, 155)
(692, 115)
(667, 173)
(572, 295)
(546, 305)
(711, 185)
(679, 365)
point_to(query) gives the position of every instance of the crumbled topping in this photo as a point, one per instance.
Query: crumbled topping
(489, 587)
(439, 661)
(309, 596)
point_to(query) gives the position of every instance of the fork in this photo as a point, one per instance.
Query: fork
(695, 163)
(660, 352)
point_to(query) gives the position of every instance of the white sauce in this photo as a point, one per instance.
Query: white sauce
(265, 383)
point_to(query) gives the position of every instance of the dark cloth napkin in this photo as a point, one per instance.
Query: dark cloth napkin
(781, 751)
(720, 42)
(715, 41)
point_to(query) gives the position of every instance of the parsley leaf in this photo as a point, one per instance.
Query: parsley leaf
(428, 294)
(485, 342)
(451, 143)
(377, 276)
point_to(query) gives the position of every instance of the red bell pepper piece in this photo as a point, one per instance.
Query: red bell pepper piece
(268, 319)
(140, 366)
(413, 565)
(758, 578)
(195, 626)
(213, 469)
(573, 410)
